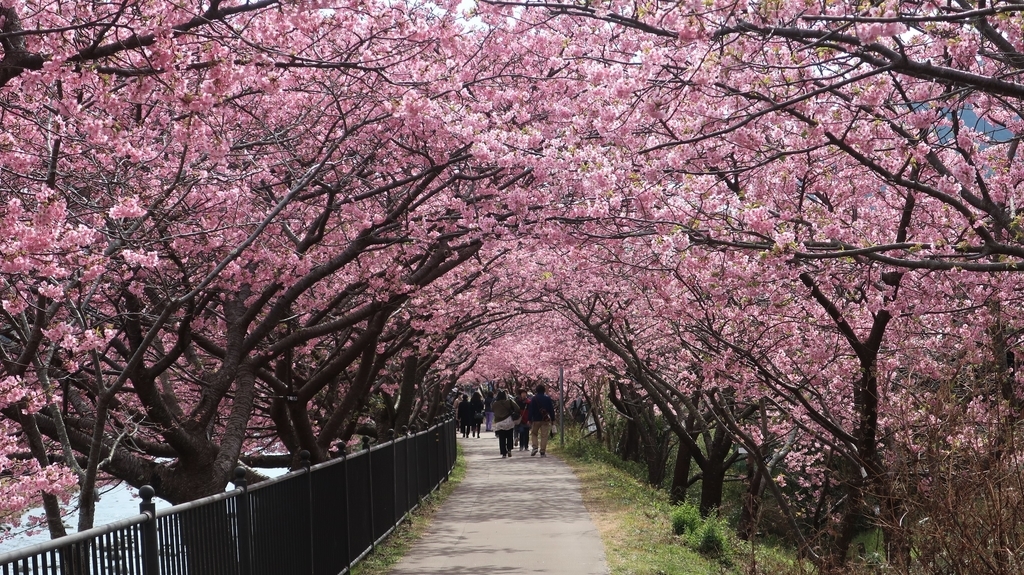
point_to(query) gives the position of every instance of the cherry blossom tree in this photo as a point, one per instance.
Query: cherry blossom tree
(859, 161)
(242, 230)
(222, 220)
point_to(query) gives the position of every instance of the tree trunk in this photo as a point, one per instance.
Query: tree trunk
(869, 469)
(407, 392)
(593, 412)
(711, 487)
(681, 474)
(51, 505)
(656, 454)
(717, 463)
(747, 527)
(853, 517)
(87, 492)
(629, 444)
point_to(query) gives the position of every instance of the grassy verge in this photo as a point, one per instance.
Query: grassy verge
(635, 522)
(386, 555)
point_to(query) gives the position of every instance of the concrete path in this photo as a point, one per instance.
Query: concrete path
(518, 515)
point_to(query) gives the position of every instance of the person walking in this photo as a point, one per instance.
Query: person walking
(465, 414)
(459, 398)
(542, 412)
(488, 411)
(477, 405)
(506, 412)
(523, 428)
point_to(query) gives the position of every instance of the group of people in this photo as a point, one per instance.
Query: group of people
(469, 413)
(520, 421)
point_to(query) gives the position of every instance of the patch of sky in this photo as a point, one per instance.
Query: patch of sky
(969, 118)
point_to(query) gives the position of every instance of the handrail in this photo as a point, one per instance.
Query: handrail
(197, 502)
(54, 544)
(278, 479)
(325, 464)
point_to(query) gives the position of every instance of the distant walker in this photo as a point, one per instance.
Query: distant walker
(541, 411)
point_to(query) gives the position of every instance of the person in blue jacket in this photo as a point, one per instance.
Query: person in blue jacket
(542, 413)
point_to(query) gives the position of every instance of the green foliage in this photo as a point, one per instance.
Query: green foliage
(685, 519)
(632, 517)
(868, 547)
(709, 537)
(586, 449)
(644, 534)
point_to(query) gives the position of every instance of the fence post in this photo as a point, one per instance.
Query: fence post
(408, 501)
(437, 448)
(343, 453)
(304, 462)
(244, 523)
(453, 449)
(447, 448)
(410, 468)
(369, 478)
(150, 553)
(394, 476)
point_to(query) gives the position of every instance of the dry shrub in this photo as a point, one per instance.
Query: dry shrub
(960, 489)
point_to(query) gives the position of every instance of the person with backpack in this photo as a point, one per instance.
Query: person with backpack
(542, 413)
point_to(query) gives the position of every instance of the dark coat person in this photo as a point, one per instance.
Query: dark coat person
(477, 402)
(465, 415)
(542, 413)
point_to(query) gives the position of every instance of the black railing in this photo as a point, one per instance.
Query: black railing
(318, 520)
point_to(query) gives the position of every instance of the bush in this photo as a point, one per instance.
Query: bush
(709, 538)
(586, 449)
(685, 519)
(706, 536)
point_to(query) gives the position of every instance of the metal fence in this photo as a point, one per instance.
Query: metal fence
(319, 520)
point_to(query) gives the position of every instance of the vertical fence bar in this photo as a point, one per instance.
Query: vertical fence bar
(307, 482)
(432, 465)
(452, 448)
(423, 449)
(435, 470)
(348, 521)
(403, 474)
(410, 454)
(444, 445)
(150, 553)
(396, 514)
(369, 483)
(242, 523)
(442, 470)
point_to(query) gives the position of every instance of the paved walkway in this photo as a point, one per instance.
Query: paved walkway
(487, 527)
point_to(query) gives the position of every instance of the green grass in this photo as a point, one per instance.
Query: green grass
(636, 524)
(633, 518)
(387, 554)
